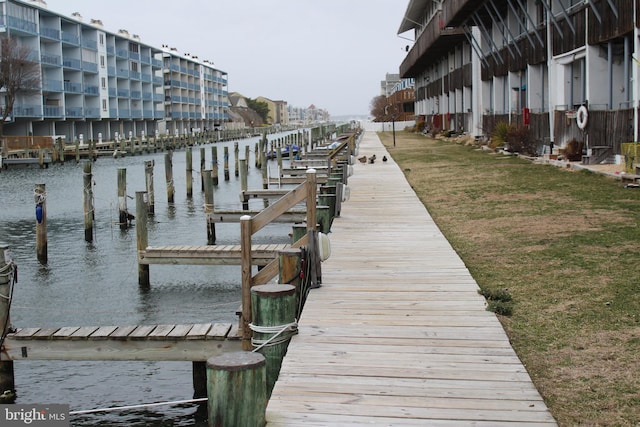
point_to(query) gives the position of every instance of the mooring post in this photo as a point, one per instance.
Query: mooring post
(236, 159)
(273, 324)
(88, 201)
(226, 163)
(236, 389)
(142, 237)
(209, 207)
(290, 272)
(189, 172)
(202, 167)
(244, 171)
(148, 178)
(214, 164)
(40, 196)
(122, 198)
(256, 154)
(168, 172)
(7, 279)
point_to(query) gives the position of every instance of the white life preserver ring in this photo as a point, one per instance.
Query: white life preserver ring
(582, 116)
(324, 247)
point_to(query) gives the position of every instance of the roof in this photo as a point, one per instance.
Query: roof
(413, 14)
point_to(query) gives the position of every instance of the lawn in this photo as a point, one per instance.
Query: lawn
(560, 250)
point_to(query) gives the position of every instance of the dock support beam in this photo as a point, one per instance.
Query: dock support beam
(88, 201)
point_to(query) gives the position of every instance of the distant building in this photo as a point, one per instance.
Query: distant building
(96, 81)
(388, 85)
(278, 112)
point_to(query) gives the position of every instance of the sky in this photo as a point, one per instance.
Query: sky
(329, 53)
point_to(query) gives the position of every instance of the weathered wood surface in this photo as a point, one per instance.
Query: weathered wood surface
(397, 334)
(208, 254)
(192, 342)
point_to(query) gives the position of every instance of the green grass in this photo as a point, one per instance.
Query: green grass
(565, 246)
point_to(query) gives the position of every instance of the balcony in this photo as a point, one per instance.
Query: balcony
(91, 67)
(73, 63)
(92, 113)
(91, 90)
(73, 87)
(123, 73)
(22, 25)
(122, 53)
(136, 94)
(134, 55)
(52, 111)
(134, 75)
(111, 71)
(70, 38)
(433, 43)
(48, 59)
(123, 93)
(90, 44)
(52, 86)
(74, 112)
(111, 50)
(113, 92)
(50, 33)
(124, 113)
(27, 110)
(145, 59)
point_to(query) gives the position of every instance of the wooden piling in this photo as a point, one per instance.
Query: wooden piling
(209, 207)
(236, 160)
(87, 179)
(7, 381)
(244, 171)
(168, 171)
(236, 389)
(226, 163)
(202, 167)
(273, 309)
(40, 196)
(214, 164)
(122, 198)
(148, 175)
(142, 237)
(189, 155)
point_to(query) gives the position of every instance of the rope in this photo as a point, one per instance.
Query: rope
(292, 328)
(143, 405)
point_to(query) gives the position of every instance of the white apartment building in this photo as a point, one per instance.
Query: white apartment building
(98, 83)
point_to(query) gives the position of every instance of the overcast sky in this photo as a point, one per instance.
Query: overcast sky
(330, 53)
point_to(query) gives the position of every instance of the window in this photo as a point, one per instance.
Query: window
(134, 66)
(133, 47)
(104, 105)
(101, 39)
(102, 61)
(103, 82)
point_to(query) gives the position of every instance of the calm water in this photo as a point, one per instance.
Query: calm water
(96, 283)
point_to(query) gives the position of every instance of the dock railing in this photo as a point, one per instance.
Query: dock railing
(249, 225)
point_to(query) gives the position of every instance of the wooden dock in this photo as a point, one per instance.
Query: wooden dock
(398, 334)
(192, 342)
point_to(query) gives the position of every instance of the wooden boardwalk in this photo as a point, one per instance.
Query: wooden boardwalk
(397, 335)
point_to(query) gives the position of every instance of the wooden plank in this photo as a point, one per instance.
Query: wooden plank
(45, 333)
(141, 332)
(83, 332)
(179, 332)
(102, 332)
(65, 332)
(24, 333)
(122, 332)
(199, 331)
(160, 332)
(218, 331)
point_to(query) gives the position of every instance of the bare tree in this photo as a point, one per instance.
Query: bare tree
(18, 73)
(377, 108)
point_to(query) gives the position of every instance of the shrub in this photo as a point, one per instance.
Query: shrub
(572, 151)
(520, 140)
(499, 135)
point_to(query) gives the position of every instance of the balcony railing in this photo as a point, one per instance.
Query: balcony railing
(52, 85)
(22, 25)
(90, 44)
(72, 63)
(49, 59)
(70, 38)
(74, 112)
(90, 66)
(50, 33)
(123, 93)
(53, 111)
(73, 87)
(27, 110)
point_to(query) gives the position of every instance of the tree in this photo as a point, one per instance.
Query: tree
(262, 108)
(377, 108)
(18, 73)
